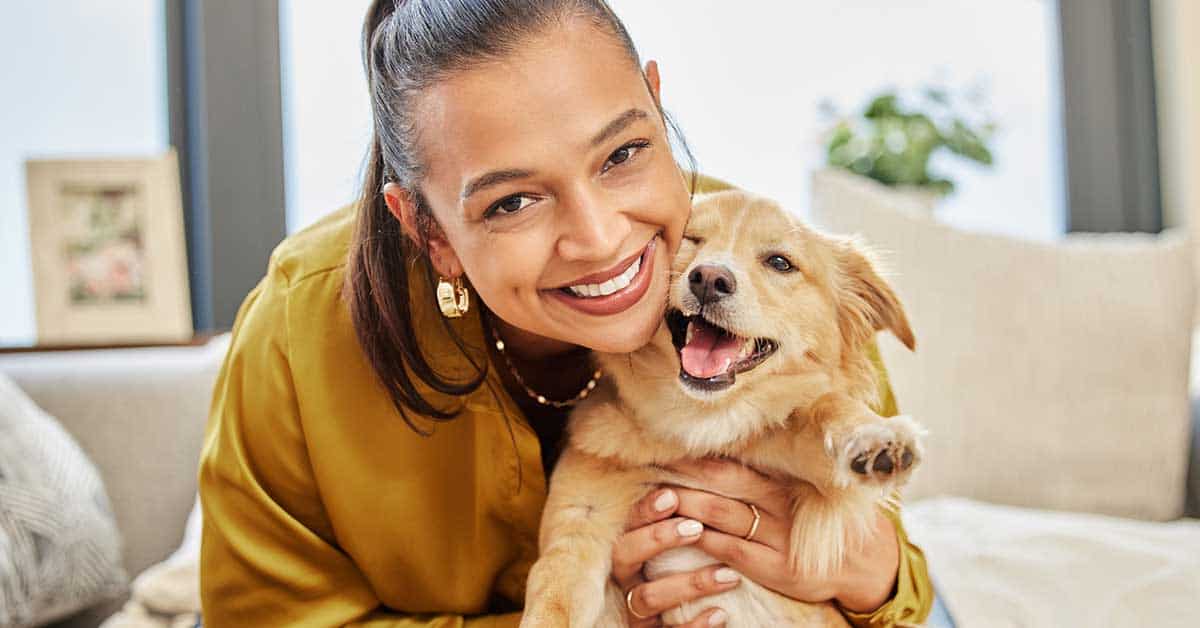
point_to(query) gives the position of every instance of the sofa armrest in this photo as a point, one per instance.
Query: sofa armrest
(139, 414)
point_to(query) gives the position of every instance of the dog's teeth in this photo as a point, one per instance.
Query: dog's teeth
(691, 332)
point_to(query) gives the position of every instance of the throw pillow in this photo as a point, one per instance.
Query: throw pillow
(1050, 375)
(60, 550)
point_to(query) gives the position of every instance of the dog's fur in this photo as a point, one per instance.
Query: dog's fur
(802, 414)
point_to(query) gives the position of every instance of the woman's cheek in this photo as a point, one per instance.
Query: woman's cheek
(674, 224)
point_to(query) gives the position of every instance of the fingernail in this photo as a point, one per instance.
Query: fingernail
(717, 618)
(726, 575)
(665, 501)
(689, 528)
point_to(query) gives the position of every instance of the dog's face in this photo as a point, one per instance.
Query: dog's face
(757, 295)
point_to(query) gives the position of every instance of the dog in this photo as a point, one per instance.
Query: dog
(762, 358)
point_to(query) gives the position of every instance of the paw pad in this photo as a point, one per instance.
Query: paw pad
(883, 461)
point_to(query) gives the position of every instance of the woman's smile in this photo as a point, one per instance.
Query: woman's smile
(611, 291)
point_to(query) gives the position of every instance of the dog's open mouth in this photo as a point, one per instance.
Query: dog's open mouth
(710, 357)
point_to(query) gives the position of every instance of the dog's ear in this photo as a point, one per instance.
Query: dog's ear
(866, 303)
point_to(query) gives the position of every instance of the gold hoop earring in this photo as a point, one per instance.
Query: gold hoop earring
(452, 296)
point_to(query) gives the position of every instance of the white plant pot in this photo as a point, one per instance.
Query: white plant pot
(834, 186)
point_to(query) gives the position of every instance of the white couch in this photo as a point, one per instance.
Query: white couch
(1053, 378)
(139, 415)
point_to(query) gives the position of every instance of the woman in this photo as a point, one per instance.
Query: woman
(382, 428)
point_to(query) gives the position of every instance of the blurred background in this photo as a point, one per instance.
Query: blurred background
(266, 102)
(1029, 170)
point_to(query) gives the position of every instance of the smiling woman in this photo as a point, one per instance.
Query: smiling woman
(373, 459)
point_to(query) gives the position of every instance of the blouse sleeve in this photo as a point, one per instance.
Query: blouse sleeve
(912, 598)
(268, 556)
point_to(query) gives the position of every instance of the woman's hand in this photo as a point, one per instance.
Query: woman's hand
(868, 574)
(652, 529)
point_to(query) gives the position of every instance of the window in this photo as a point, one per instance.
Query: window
(326, 109)
(81, 79)
(746, 83)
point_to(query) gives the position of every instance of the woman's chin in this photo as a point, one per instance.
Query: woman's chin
(628, 333)
(627, 343)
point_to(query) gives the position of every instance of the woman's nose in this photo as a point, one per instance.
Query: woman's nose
(593, 229)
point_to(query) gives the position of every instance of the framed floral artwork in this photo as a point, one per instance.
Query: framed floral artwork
(109, 258)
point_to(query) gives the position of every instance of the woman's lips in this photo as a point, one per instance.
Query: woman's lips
(620, 300)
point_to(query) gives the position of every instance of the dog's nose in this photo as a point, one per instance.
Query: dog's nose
(710, 282)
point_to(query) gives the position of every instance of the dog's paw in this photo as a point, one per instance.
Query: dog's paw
(564, 593)
(881, 453)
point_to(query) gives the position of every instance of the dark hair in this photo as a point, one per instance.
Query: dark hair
(408, 45)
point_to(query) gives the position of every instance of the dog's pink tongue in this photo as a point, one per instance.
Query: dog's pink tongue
(709, 353)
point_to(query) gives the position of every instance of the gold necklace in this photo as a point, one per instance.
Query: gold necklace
(540, 398)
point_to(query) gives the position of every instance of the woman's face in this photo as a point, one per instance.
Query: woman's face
(551, 177)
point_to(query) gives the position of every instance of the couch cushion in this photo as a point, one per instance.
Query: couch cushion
(59, 546)
(139, 414)
(1005, 566)
(1050, 375)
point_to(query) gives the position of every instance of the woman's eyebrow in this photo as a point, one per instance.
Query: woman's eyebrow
(494, 177)
(618, 124)
(497, 177)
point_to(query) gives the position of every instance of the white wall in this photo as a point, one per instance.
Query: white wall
(745, 80)
(79, 78)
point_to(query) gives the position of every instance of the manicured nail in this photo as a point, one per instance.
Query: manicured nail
(717, 618)
(690, 528)
(666, 501)
(726, 575)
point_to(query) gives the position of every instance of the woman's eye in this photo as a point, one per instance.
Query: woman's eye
(780, 263)
(624, 154)
(509, 205)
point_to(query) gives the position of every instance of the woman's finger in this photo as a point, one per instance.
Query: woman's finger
(732, 478)
(637, 546)
(733, 517)
(654, 506)
(756, 561)
(658, 596)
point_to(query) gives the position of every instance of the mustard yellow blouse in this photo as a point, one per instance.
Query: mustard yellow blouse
(322, 508)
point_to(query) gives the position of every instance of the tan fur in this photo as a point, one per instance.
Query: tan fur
(802, 415)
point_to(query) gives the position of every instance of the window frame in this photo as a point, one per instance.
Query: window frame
(1112, 178)
(226, 122)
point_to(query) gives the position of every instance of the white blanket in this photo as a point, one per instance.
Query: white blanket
(1004, 566)
(167, 595)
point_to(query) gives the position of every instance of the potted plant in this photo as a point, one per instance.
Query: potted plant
(892, 140)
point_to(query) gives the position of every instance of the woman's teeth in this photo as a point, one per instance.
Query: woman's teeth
(620, 282)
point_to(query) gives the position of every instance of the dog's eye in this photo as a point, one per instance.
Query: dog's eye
(780, 263)
(693, 239)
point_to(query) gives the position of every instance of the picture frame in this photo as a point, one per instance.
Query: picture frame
(108, 252)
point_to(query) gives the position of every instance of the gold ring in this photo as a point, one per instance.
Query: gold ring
(629, 604)
(753, 526)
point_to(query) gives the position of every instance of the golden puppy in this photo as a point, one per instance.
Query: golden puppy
(762, 359)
